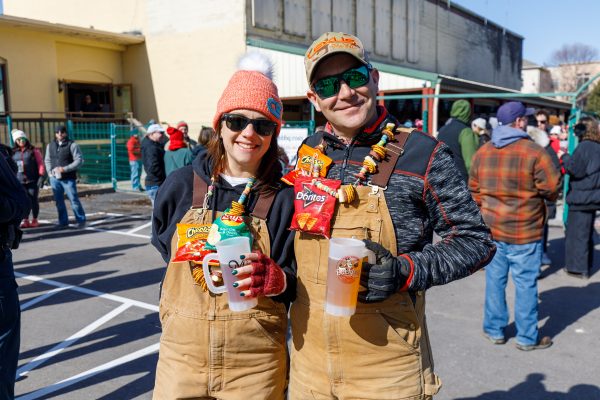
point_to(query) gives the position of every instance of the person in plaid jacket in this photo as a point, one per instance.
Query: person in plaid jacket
(510, 178)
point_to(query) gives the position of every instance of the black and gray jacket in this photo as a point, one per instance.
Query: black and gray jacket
(425, 193)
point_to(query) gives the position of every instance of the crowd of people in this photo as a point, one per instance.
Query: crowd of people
(486, 187)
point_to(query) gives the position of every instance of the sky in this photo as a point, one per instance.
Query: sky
(545, 25)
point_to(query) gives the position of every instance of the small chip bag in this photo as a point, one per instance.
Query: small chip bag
(191, 242)
(311, 162)
(314, 205)
(225, 227)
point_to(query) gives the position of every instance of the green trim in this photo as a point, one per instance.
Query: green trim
(474, 95)
(286, 48)
(408, 72)
(383, 67)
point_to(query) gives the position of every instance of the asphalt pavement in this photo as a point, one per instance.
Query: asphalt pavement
(90, 327)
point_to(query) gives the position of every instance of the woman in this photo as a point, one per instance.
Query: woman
(178, 154)
(583, 198)
(30, 173)
(206, 350)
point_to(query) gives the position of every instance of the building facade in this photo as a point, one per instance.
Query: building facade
(173, 59)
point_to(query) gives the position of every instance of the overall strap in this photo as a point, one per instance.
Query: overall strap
(263, 205)
(395, 150)
(200, 190)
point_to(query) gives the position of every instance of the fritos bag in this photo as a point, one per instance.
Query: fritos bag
(191, 242)
(309, 158)
(313, 207)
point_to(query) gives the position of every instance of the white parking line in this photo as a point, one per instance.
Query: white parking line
(139, 228)
(90, 292)
(43, 297)
(89, 228)
(89, 373)
(69, 341)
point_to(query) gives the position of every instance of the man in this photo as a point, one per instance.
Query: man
(63, 159)
(541, 117)
(511, 176)
(153, 157)
(459, 137)
(383, 350)
(89, 109)
(135, 160)
(14, 206)
(479, 127)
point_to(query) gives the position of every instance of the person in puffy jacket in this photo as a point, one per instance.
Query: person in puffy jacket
(583, 198)
(31, 173)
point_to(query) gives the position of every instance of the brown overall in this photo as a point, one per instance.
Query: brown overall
(208, 351)
(381, 352)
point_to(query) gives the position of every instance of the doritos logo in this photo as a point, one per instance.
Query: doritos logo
(309, 197)
(337, 42)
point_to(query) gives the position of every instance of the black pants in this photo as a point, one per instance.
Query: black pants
(10, 337)
(33, 192)
(579, 241)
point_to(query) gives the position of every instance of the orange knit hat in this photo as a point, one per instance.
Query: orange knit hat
(251, 88)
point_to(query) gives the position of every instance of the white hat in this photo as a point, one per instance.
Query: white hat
(18, 134)
(155, 128)
(555, 130)
(479, 122)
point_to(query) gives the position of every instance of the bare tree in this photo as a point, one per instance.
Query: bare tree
(575, 53)
(571, 66)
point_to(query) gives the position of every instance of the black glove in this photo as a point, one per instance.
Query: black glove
(40, 182)
(384, 278)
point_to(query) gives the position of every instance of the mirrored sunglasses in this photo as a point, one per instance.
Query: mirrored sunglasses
(331, 85)
(237, 123)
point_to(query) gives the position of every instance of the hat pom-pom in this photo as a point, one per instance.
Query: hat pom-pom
(255, 61)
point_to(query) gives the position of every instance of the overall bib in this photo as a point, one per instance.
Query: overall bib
(208, 351)
(381, 352)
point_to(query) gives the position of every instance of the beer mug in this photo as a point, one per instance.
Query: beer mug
(343, 275)
(228, 254)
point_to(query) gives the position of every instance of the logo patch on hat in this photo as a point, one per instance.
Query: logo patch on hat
(274, 107)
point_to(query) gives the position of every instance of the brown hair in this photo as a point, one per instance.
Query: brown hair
(269, 170)
(206, 135)
(591, 129)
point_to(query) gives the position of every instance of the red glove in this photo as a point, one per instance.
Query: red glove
(267, 277)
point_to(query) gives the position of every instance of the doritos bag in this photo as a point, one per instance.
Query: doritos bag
(314, 207)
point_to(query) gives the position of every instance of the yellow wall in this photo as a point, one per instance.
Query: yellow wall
(36, 61)
(190, 51)
(110, 15)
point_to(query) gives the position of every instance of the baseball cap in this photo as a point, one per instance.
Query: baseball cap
(333, 43)
(155, 128)
(480, 123)
(555, 130)
(509, 112)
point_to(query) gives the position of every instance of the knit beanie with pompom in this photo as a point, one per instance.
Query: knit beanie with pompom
(251, 88)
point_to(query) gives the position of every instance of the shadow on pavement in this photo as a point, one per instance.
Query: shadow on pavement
(533, 389)
(67, 260)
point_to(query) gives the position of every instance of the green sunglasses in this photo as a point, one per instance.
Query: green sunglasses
(331, 85)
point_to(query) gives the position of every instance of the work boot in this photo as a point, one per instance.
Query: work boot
(34, 223)
(25, 223)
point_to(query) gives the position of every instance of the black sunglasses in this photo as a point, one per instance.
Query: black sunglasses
(331, 85)
(237, 123)
(543, 121)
